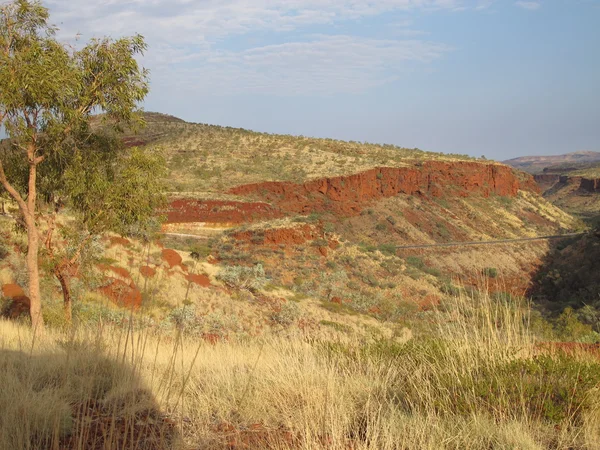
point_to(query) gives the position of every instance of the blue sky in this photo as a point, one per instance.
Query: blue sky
(500, 78)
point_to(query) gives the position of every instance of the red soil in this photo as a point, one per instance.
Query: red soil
(347, 195)
(147, 427)
(123, 294)
(200, 280)
(123, 273)
(147, 271)
(171, 257)
(20, 302)
(116, 240)
(12, 291)
(218, 211)
(255, 436)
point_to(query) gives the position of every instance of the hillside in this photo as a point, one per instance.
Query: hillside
(209, 158)
(308, 209)
(537, 164)
(322, 220)
(283, 297)
(571, 181)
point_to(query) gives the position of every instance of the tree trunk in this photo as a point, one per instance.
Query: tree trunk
(27, 209)
(33, 249)
(35, 309)
(66, 291)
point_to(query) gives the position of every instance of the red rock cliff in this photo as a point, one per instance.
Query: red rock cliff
(349, 194)
(590, 184)
(546, 180)
(583, 184)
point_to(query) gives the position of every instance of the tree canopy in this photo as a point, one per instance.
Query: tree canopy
(60, 153)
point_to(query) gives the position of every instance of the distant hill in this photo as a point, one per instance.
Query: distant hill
(212, 158)
(570, 181)
(555, 163)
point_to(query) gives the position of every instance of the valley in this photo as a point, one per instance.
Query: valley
(362, 246)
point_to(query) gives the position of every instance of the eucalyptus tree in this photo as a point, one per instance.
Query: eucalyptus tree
(49, 93)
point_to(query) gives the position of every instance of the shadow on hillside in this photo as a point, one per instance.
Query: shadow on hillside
(569, 277)
(77, 399)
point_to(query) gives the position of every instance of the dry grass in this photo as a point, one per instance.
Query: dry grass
(208, 158)
(304, 393)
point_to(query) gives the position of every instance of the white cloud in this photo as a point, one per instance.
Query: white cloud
(325, 65)
(530, 5)
(190, 19)
(190, 41)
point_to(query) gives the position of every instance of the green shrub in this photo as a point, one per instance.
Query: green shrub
(416, 262)
(336, 326)
(387, 249)
(243, 277)
(199, 251)
(568, 327)
(432, 271)
(490, 272)
(381, 226)
(550, 389)
(286, 314)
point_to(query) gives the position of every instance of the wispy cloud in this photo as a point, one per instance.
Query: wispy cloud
(325, 65)
(190, 40)
(530, 5)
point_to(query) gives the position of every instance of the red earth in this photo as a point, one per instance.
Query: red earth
(171, 257)
(199, 279)
(20, 302)
(123, 294)
(147, 271)
(218, 211)
(123, 273)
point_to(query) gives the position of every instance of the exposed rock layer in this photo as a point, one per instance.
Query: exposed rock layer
(591, 185)
(218, 211)
(350, 194)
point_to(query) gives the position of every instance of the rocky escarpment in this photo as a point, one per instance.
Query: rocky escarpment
(350, 194)
(582, 184)
(218, 211)
(546, 180)
(590, 185)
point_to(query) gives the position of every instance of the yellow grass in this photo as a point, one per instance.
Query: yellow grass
(289, 392)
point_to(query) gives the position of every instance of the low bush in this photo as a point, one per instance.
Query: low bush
(242, 277)
(490, 272)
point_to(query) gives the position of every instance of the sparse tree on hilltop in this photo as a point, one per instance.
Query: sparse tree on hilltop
(56, 157)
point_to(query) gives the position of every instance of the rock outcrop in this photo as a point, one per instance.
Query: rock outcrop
(546, 180)
(348, 195)
(583, 184)
(590, 184)
(218, 211)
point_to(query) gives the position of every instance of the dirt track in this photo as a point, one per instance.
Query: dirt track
(502, 241)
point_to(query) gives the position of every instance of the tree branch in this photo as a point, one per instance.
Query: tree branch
(77, 254)
(13, 192)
